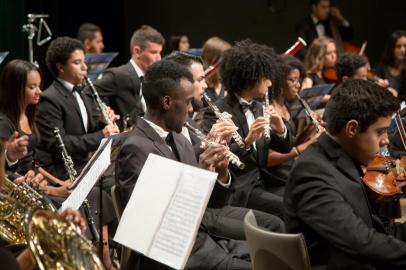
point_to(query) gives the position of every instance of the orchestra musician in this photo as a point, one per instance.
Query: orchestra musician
(325, 198)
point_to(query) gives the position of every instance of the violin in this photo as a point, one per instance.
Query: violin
(330, 75)
(386, 176)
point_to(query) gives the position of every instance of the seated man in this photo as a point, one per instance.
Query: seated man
(325, 198)
(168, 91)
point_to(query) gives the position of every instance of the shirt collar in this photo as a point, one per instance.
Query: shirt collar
(242, 100)
(66, 84)
(138, 70)
(314, 19)
(161, 132)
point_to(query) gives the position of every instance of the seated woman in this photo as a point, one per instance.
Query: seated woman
(279, 164)
(392, 66)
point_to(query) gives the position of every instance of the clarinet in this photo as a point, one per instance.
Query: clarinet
(69, 167)
(236, 136)
(267, 128)
(102, 106)
(310, 113)
(230, 155)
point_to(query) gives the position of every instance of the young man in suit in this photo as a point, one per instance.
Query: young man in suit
(122, 85)
(230, 219)
(325, 198)
(320, 22)
(92, 38)
(168, 95)
(247, 71)
(65, 107)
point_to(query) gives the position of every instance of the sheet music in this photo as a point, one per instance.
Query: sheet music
(163, 215)
(89, 179)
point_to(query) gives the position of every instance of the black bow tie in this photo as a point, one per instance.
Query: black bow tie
(77, 88)
(249, 106)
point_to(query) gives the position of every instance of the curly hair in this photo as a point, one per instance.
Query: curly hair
(59, 52)
(246, 64)
(287, 63)
(314, 59)
(358, 100)
(347, 64)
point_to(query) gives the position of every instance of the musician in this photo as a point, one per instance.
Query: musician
(168, 93)
(392, 65)
(25, 259)
(230, 219)
(122, 85)
(247, 71)
(325, 198)
(179, 43)
(213, 48)
(321, 55)
(64, 106)
(279, 164)
(319, 23)
(92, 38)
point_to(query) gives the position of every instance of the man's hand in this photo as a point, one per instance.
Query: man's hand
(256, 131)
(16, 147)
(110, 130)
(114, 117)
(74, 216)
(222, 130)
(214, 158)
(336, 13)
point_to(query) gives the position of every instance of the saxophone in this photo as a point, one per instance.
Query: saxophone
(267, 127)
(102, 106)
(310, 113)
(236, 136)
(69, 166)
(230, 155)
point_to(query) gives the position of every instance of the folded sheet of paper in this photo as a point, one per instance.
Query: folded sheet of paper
(89, 176)
(164, 212)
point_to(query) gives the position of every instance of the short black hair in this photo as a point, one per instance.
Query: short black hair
(184, 58)
(59, 51)
(358, 100)
(347, 64)
(163, 78)
(87, 31)
(246, 64)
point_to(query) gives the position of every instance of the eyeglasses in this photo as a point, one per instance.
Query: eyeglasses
(295, 80)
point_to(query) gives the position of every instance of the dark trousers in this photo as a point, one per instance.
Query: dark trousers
(228, 222)
(265, 201)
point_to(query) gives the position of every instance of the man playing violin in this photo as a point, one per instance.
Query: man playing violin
(325, 198)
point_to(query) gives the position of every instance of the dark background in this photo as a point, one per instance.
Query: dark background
(265, 21)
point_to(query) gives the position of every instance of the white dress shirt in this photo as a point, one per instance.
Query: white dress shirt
(140, 74)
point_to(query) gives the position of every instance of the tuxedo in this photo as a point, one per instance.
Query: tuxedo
(326, 200)
(250, 183)
(207, 252)
(59, 108)
(306, 29)
(121, 87)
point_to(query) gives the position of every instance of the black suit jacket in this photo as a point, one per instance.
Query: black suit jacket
(255, 172)
(59, 108)
(326, 201)
(306, 29)
(142, 141)
(121, 86)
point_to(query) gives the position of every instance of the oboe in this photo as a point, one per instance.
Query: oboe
(267, 127)
(69, 167)
(102, 106)
(230, 155)
(310, 113)
(236, 136)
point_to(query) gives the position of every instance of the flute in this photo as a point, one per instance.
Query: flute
(230, 155)
(236, 136)
(267, 127)
(310, 113)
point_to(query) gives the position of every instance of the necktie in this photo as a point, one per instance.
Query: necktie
(171, 142)
(78, 88)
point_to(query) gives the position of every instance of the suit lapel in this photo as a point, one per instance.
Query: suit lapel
(158, 142)
(71, 100)
(238, 116)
